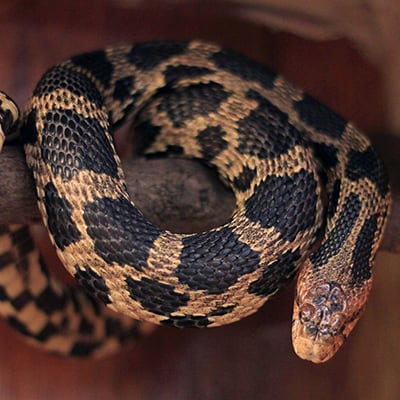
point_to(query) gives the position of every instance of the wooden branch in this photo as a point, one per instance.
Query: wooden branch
(180, 195)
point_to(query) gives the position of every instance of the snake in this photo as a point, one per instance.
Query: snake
(312, 200)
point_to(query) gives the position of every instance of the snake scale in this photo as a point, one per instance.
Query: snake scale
(310, 192)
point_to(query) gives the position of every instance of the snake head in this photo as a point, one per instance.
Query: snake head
(9, 117)
(320, 322)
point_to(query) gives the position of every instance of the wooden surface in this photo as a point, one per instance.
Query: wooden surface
(251, 359)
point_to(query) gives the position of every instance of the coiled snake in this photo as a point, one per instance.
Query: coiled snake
(279, 150)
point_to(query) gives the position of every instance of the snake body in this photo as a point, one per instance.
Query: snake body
(279, 150)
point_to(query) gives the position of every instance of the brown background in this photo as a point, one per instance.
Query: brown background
(251, 359)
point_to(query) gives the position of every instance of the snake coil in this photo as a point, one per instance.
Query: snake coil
(279, 150)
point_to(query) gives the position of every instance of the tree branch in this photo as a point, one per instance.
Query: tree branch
(176, 194)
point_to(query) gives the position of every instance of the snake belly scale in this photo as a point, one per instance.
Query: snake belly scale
(279, 150)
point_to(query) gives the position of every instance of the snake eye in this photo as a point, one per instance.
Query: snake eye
(337, 301)
(337, 322)
(306, 312)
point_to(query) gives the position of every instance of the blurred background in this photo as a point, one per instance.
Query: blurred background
(342, 52)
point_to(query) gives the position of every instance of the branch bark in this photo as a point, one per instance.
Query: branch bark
(176, 194)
